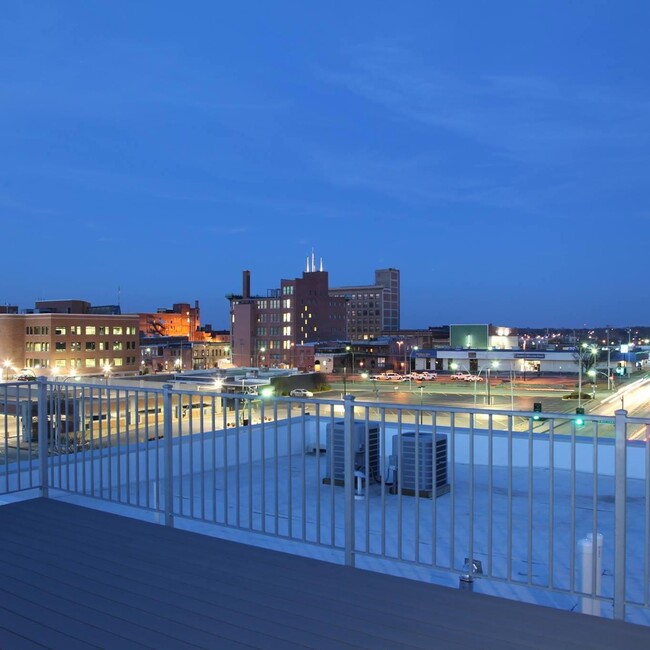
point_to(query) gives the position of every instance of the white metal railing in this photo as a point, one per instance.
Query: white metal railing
(450, 489)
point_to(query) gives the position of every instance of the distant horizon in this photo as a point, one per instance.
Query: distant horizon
(204, 321)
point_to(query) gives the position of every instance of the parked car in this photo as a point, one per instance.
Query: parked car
(389, 376)
(301, 392)
(429, 376)
(458, 375)
(473, 378)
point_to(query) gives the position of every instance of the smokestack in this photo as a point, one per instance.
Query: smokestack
(246, 290)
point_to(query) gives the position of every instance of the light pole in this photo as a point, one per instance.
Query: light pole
(583, 353)
(7, 366)
(261, 351)
(348, 348)
(609, 358)
(592, 372)
(580, 358)
(415, 348)
(400, 344)
(455, 366)
(494, 365)
(107, 372)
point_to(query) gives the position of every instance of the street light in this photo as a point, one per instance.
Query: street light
(455, 366)
(400, 344)
(7, 366)
(261, 351)
(583, 354)
(495, 365)
(592, 372)
(107, 372)
(348, 348)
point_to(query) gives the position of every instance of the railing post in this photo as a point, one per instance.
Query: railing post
(169, 457)
(620, 511)
(348, 477)
(43, 424)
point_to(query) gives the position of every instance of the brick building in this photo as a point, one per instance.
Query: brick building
(372, 309)
(67, 338)
(266, 329)
(180, 320)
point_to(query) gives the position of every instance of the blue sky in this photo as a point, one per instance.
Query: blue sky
(498, 153)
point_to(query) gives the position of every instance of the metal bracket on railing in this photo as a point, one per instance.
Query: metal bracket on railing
(466, 579)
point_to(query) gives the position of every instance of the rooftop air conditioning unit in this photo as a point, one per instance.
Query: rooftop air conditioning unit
(420, 467)
(335, 465)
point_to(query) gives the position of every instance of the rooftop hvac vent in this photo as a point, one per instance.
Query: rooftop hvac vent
(364, 439)
(420, 466)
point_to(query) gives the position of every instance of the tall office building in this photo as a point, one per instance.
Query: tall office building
(265, 329)
(372, 309)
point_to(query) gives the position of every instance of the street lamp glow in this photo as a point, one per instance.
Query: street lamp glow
(218, 384)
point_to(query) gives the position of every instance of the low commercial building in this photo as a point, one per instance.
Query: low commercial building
(67, 338)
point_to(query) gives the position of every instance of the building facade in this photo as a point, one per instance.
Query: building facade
(372, 309)
(68, 343)
(483, 337)
(180, 320)
(266, 329)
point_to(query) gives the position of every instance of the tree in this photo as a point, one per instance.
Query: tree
(586, 355)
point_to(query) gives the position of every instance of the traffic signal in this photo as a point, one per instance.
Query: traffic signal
(579, 420)
(537, 409)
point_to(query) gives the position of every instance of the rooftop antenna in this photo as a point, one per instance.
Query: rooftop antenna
(313, 261)
(119, 292)
(321, 263)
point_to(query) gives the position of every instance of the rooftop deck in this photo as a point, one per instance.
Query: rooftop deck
(74, 577)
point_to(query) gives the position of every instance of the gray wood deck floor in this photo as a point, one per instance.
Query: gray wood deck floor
(73, 577)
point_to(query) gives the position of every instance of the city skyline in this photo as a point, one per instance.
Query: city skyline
(496, 154)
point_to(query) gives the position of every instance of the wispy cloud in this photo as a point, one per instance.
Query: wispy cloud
(17, 205)
(527, 119)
